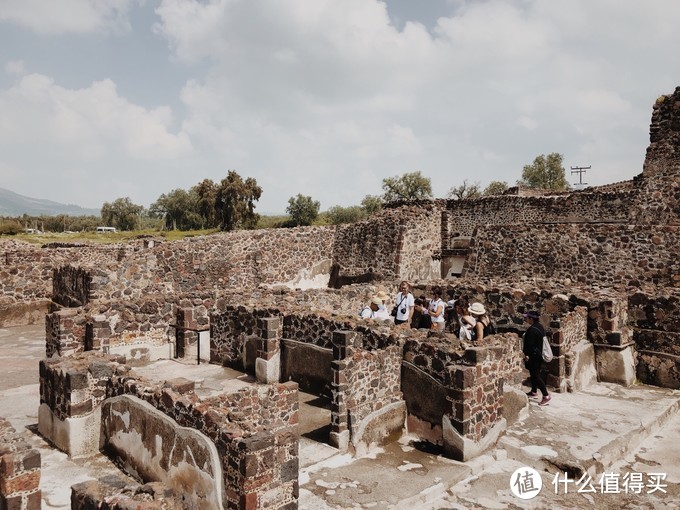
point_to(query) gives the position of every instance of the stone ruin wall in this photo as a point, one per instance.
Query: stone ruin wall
(471, 375)
(371, 381)
(664, 132)
(111, 325)
(19, 470)
(656, 324)
(421, 240)
(590, 254)
(368, 247)
(397, 243)
(586, 206)
(252, 428)
(242, 259)
(365, 361)
(229, 332)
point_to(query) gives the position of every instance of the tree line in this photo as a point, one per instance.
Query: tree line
(230, 204)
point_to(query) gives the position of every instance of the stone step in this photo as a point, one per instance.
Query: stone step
(589, 431)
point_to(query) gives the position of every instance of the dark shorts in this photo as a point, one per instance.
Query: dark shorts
(399, 321)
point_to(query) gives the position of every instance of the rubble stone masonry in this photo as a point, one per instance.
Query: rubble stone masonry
(253, 428)
(19, 471)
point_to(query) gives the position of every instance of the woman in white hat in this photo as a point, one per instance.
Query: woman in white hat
(483, 326)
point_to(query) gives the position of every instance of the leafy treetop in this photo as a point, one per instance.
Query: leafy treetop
(409, 186)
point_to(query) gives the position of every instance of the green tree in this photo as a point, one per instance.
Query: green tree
(495, 188)
(235, 202)
(465, 190)
(337, 214)
(371, 204)
(122, 214)
(178, 210)
(302, 210)
(546, 172)
(10, 227)
(409, 186)
(206, 198)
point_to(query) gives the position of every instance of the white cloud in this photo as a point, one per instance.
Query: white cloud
(56, 17)
(328, 97)
(38, 110)
(61, 136)
(303, 87)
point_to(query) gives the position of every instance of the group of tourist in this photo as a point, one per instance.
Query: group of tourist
(467, 321)
(458, 316)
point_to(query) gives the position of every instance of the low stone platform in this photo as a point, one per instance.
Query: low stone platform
(588, 431)
(606, 427)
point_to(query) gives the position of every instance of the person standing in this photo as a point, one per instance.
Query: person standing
(533, 357)
(436, 309)
(404, 304)
(421, 319)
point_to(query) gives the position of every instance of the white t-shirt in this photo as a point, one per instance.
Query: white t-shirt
(382, 314)
(406, 305)
(433, 310)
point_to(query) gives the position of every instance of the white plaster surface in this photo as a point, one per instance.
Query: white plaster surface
(200, 483)
(77, 437)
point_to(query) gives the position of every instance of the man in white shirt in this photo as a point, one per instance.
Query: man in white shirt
(404, 305)
(376, 310)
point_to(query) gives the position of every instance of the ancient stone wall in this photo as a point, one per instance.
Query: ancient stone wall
(71, 286)
(252, 428)
(75, 386)
(421, 241)
(118, 493)
(141, 268)
(19, 470)
(183, 459)
(606, 255)
(65, 332)
(134, 328)
(655, 320)
(26, 270)
(368, 249)
(373, 382)
(229, 331)
(586, 206)
(477, 391)
(664, 132)
(477, 369)
(315, 329)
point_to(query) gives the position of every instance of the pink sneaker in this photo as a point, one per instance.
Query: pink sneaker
(546, 400)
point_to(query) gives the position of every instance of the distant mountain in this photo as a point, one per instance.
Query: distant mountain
(13, 204)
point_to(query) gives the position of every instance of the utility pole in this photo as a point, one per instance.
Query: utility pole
(580, 170)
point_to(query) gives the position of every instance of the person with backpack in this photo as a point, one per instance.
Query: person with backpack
(533, 356)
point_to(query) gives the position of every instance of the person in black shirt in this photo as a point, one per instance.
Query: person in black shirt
(533, 358)
(421, 318)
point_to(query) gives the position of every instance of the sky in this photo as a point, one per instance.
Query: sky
(105, 99)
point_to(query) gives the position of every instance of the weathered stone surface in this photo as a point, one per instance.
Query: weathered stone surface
(151, 445)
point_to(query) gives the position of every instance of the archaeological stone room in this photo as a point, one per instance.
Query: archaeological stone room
(212, 371)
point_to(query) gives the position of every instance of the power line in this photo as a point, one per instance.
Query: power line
(580, 170)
